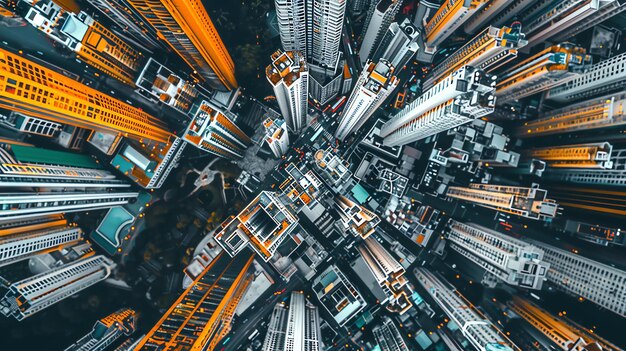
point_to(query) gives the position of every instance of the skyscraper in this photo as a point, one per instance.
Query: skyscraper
(186, 26)
(488, 50)
(388, 336)
(106, 331)
(354, 218)
(560, 332)
(296, 328)
(388, 273)
(606, 76)
(553, 66)
(37, 91)
(263, 225)
(374, 85)
(31, 295)
(525, 202)
(292, 23)
(276, 136)
(289, 75)
(464, 95)
(377, 22)
(398, 44)
(508, 259)
(449, 17)
(479, 331)
(591, 156)
(603, 112)
(337, 294)
(213, 130)
(582, 277)
(20, 241)
(93, 43)
(202, 315)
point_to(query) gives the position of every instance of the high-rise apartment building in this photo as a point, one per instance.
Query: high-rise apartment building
(276, 136)
(464, 95)
(603, 112)
(156, 81)
(609, 172)
(378, 20)
(23, 240)
(130, 23)
(202, 315)
(582, 277)
(559, 332)
(591, 156)
(355, 219)
(312, 27)
(479, 331)
(263, 225)
(509, 260)
(93, 43)
(289, 75)
(487, 51)
(545, 20)
(31, 295)
(529, 203)
(604, 77)
(106, 331)
(374, 85)
(187, 28)
(449, 17)
(398, 45)
(37, 91)
(294, 328)
(28, 166)
(485, 16)
(388, 336)
(548, 68)
(213, 130)
(337, 294)
(388, 273)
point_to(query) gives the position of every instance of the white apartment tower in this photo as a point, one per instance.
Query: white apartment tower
(294, 329)
(289, 75)
(388, 336)
(25, 241)
(31, 295)
(374, 85)
(525, 202)
(580, 276)
(312, 27)
(508, 259)
(106, 331)
(398, 44)
(479, 331)
(276, 136)
(377, 24)
(463, 96)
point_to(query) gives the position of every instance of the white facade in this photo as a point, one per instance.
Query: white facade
(45, 289)
(324, 28)
(276, 136)
(312, 27)
(488, 50)
(289, 75)
(378, 22)
(602, 77)
(26, 205)
(296, 329)
(292, 24)
(510, 260)
(388, 336)
(374, 85)
(525, 202)
(479, 331)
(449, 17)
(398, 44)
(579, 276)
(17, 247)
(464, 95)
